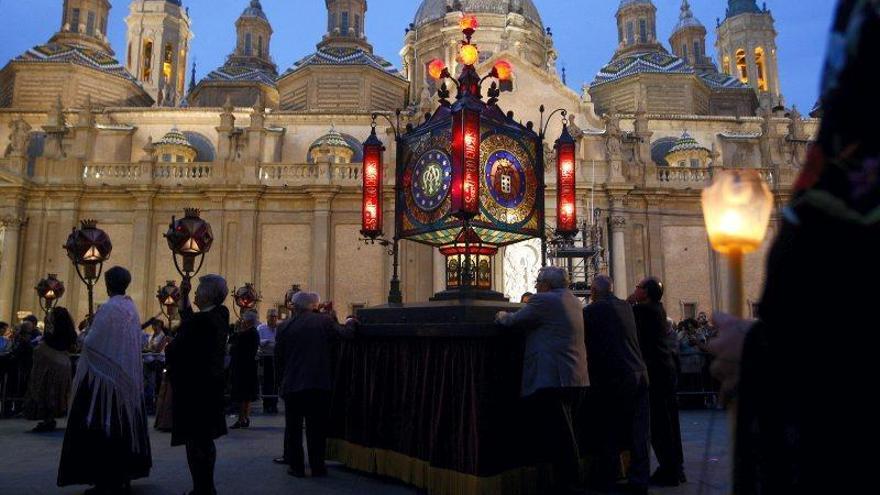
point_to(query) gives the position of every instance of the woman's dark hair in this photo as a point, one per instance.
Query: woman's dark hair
(117, 279)
(62, 334)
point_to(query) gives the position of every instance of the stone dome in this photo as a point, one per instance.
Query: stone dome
(686, 19)
(432, 10)
(255, 10)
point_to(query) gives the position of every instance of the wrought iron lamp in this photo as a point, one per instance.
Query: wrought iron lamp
(49, 291)
(169, 296)
(190, 238)
(88, 247)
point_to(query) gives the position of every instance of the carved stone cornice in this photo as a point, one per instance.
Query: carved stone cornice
(14, 221)
(618, 223)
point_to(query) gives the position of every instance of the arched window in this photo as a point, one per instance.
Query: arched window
(74, 20)
(684, 51)
(331, 24)
(147, 74)
(630, 34)
(260, 46)
(343, 24)
(741, 66)
(247, 44)
(167, 62)
(761, 63)
(357, 25)
(698, 55)
(643, 31)
(128, 58)
(725, 65)
(181, 71)
(90, 23)
(620, 33)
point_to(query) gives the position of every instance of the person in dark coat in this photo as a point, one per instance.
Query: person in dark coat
(658, 350)
(302, 356)
(195, 360)
(619, 381)
(799, 428)
(49, 388)
(243, 347)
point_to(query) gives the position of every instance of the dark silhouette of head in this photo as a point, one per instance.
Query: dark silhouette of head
(117, 280)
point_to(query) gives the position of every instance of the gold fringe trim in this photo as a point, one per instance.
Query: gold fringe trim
(438, 481)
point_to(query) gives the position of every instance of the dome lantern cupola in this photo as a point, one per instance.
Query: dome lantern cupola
(687, 152)
(346, 20)
(84, 23)
(331, 148)
(174, 147)
(688, 40)
(637, 27)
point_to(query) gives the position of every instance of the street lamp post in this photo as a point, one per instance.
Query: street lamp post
(168, 296)
(737, 208)
(49, 291)
(190, 238)
(88, 247)
(373, 201)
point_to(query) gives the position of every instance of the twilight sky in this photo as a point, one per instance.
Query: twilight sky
(584, 32)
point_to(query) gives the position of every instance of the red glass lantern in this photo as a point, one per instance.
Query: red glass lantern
(371, 209)
(49, 290)
(88, 247)
(469, 262)
(566, 210)
(189, 237)
(246, 297)
(465, 193)
(503, 70)
(469, 25)
(437, 69)
(168, 296)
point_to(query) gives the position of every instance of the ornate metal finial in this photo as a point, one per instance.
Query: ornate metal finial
(89, 223)
(192, 212)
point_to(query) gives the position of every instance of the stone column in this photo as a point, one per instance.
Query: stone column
(321, 245)
(11, 226)
(142, 249)
(618, 260)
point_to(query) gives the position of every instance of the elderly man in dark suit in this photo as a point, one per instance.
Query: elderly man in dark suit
(554, 366)
(619, 389)
(658, 348)
(302, 357)
(195, 364)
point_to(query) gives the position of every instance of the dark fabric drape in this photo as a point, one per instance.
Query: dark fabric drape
(451, 402)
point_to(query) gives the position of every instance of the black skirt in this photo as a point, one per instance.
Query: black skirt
(89, 456)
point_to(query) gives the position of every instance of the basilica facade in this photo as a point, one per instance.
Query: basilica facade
(272, 155)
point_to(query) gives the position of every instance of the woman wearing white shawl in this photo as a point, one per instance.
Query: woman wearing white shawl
(106, 443)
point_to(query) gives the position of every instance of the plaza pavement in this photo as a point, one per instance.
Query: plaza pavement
(29, 463)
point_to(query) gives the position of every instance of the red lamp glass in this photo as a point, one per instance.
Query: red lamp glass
(465, 192)
(566, 211)
(246, 297)
(468, 54)
(436, 68)
(371, 209)
(469, 25)
(503, 70)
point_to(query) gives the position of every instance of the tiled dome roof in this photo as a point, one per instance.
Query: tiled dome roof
(686, 143)
(87, 57)
(432, 10)
(335, 55)
(174, 137)
(641, 63)
(332, 139)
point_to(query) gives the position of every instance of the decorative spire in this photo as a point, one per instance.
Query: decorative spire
(737, 7)
(192, 77)
(686, 18)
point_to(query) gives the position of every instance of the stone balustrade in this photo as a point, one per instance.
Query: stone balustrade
(695, 178)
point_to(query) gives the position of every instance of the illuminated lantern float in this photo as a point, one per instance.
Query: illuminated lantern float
(469, 177)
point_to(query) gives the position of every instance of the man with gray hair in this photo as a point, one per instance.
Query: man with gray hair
(619, 389)
(302, 358)
(268, 332)
(195, 363)
(554, 366)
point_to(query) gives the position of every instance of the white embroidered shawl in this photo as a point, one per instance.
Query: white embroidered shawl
(111, 364)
